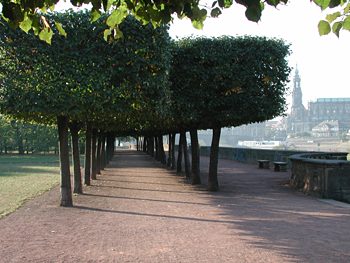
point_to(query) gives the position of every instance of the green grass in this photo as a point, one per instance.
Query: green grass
(24, 177)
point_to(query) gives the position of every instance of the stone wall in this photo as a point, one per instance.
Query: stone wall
(324, 175)
(248, 155)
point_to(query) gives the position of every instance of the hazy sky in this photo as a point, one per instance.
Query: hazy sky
(322, 61)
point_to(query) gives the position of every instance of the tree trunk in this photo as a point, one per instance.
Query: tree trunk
(110, 147)
(103, 152)
(173, 157)
(66, 190)
(162, 155)
(74, 129)
(87, 166)
(213, 184)
(156, 142)
(196, 179)
(98, 153)
(151, 146)
(19, 140)
(137, 143)
(93, 154)
(186, 157)
(144, 144)
(179, 155)
(168, 163)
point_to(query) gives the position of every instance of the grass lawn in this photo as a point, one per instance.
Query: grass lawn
(24, 177)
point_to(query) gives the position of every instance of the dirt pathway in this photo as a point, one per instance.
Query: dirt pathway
(137, 211)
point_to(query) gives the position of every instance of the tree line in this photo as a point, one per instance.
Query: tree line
(26, 138)
(143, 85)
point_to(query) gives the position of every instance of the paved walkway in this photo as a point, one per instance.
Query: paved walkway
(138, 211)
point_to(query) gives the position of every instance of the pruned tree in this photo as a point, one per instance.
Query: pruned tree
(227, 81)
(112, 86)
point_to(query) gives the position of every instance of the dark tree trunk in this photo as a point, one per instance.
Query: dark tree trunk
(103, 152)
(66, 189)
(196, 179)
(144, 144)
(179, 155)
(173, 160)
(110, 147)
(74, 129)
(168, 163)
(19, 140)
(213, 184)
(137, 143)
(87, 166)
(186, 157)
(98, 153)
(151, 146)
(156, 142)
(162, 155)
(93, 155)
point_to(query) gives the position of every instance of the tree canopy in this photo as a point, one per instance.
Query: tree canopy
(31, 14)
(228, 81)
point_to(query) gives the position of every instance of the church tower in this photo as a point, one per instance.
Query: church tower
(298, 109)
(297, 120)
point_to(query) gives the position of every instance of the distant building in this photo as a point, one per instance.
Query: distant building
(297, 121)
(328, 117)
(326, 129)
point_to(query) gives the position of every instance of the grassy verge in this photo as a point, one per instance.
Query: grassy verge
(24, 177)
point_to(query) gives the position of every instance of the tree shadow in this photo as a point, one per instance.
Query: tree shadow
(274, 217)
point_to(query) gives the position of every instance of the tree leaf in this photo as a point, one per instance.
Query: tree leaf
(106, 34)
(273, 2)
(346, 23)
(253, 13)
(334, 3)
(118, 33)
(323, 28)
(322, 3)
(46, 35)
(60, 29)
(215, 12)
(331, 17)
(26, 24)
(116, 17)
(197, 24)
(336, 28)
(95, 15)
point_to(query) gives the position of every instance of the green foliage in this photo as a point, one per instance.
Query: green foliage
(228, 81)
(335, 21)
(30, 137)
(24, 14)
(116, 84)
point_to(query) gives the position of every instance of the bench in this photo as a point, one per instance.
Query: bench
(264, 164)
(280, 166)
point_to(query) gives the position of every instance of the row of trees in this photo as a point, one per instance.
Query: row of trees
(141, 85)
(22, 137)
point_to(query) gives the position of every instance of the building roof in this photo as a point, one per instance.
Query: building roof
(333, 100)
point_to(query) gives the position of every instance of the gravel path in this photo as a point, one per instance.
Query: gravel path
(138, 211)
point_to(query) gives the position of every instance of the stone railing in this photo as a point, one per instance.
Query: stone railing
(325, 175)
(248, 155)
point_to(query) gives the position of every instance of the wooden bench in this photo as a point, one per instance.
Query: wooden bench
(264, 164)
(280, 166)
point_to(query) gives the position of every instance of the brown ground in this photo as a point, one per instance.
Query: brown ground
(138, 211)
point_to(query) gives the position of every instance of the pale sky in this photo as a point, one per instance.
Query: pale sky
(322, 61)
